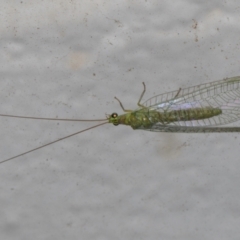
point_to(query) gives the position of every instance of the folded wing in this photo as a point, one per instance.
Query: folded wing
(224, 95)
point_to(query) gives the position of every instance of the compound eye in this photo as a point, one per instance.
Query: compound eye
(114, 115)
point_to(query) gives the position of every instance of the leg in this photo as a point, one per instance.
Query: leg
(178, 92)
(125, 110)
(144, 90)
(171, 103)
(139, 104)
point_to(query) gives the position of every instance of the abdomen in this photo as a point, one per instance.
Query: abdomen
(188, 114)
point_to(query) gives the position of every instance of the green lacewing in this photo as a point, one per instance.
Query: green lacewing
(203, 108)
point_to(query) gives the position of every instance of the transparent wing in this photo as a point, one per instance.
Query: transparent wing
(199, 129)
(224, 94)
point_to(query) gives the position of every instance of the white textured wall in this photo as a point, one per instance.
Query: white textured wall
(69, 59)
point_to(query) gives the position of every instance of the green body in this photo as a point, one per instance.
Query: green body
(145, 118)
